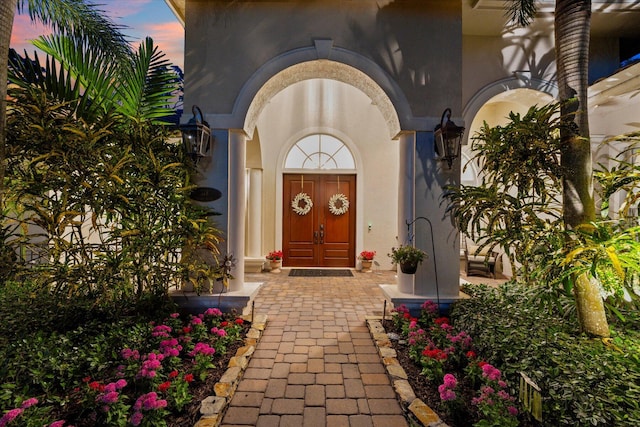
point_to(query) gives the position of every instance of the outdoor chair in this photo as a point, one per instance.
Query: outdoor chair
(481, 262)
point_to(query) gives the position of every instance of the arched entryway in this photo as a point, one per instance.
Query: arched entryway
(325, 137)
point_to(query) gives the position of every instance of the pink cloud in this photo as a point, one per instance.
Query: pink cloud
(169, 37)
(24, 31)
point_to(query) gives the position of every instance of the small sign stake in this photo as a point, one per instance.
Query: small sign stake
(530, 396)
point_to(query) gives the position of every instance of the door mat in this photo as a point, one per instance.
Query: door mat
(300, 272)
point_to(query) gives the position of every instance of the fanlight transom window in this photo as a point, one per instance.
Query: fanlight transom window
(319, 151)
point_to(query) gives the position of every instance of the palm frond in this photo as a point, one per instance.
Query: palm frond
(81, 20)
(522, 12)
(147, 84)
(25, 72)
(94, 70)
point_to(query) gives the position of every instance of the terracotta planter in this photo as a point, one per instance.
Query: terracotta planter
(366, 265)
(275, 265)
(409, 268)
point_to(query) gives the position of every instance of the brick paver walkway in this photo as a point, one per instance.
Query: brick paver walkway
(316, 364)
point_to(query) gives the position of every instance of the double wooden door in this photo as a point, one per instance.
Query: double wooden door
(325, 235)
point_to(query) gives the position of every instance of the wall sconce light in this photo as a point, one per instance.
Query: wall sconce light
(196, 136)
(448, 139)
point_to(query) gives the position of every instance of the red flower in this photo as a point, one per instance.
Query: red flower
(239, 321)
(274, 255)
(188, 378)
(406, 315)
(367, 255)
(164, 386)
(442, 320)
(434, 353)
(95, 385)
(86, 379)
(223, 324)
(173, 374)
(471, 354)
(481, 363)
(186, 329)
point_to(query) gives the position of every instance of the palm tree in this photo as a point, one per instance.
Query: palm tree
(572, 32)
(73, 17)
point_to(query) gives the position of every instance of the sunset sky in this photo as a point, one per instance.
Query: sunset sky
(141, 18)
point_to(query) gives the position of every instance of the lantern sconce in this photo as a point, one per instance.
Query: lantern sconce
(196, 136)
(448, 139)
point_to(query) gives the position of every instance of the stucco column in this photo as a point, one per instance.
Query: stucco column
(237, 205)
(406, 200)
(254, 214)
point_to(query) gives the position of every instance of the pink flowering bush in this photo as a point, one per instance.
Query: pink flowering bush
(471, 391)
(14, 413)
(494, 402)
(149, 378)
(149, 410)
(447, 388)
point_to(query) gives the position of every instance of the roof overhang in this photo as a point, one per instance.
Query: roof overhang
(178, 8)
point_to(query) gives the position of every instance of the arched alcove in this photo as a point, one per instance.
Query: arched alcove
(493, 105)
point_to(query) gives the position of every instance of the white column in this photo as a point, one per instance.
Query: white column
(254, 214)
(406, 200)
(237, 205)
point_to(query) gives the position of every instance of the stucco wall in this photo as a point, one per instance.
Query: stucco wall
(490, 59)
(417, 42)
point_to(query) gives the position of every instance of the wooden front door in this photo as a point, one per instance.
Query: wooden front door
(320, 237)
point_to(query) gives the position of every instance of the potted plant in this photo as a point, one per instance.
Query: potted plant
(366, 259)
(408, 257)
(275, 261)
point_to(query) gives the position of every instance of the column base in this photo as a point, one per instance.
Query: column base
(240, 300)
(254, 265)
(414, 302)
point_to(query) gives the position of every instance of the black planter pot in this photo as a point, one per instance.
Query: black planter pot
(408, 268)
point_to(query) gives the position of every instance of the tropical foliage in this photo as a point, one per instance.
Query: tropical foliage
(583, 382)
(517, 206)
(97, 193)
(79, 19)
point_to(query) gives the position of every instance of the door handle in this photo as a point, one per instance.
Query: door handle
(321, 234)
(315, 237)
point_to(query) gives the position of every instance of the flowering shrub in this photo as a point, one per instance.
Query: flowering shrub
(274, 255)
(149, 378)
(446, 389)
(433, 362)
(367, 255)
(494, 402)
(439, 349)
(14, 413)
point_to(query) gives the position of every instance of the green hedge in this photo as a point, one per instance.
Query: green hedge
(584, 381)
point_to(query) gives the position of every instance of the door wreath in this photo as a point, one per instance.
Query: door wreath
(307, 204)
(343, 202)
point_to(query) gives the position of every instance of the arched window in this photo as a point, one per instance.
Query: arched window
(319, 151)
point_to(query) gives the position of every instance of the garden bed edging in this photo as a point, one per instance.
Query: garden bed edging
(213, 408)
(414, 408)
